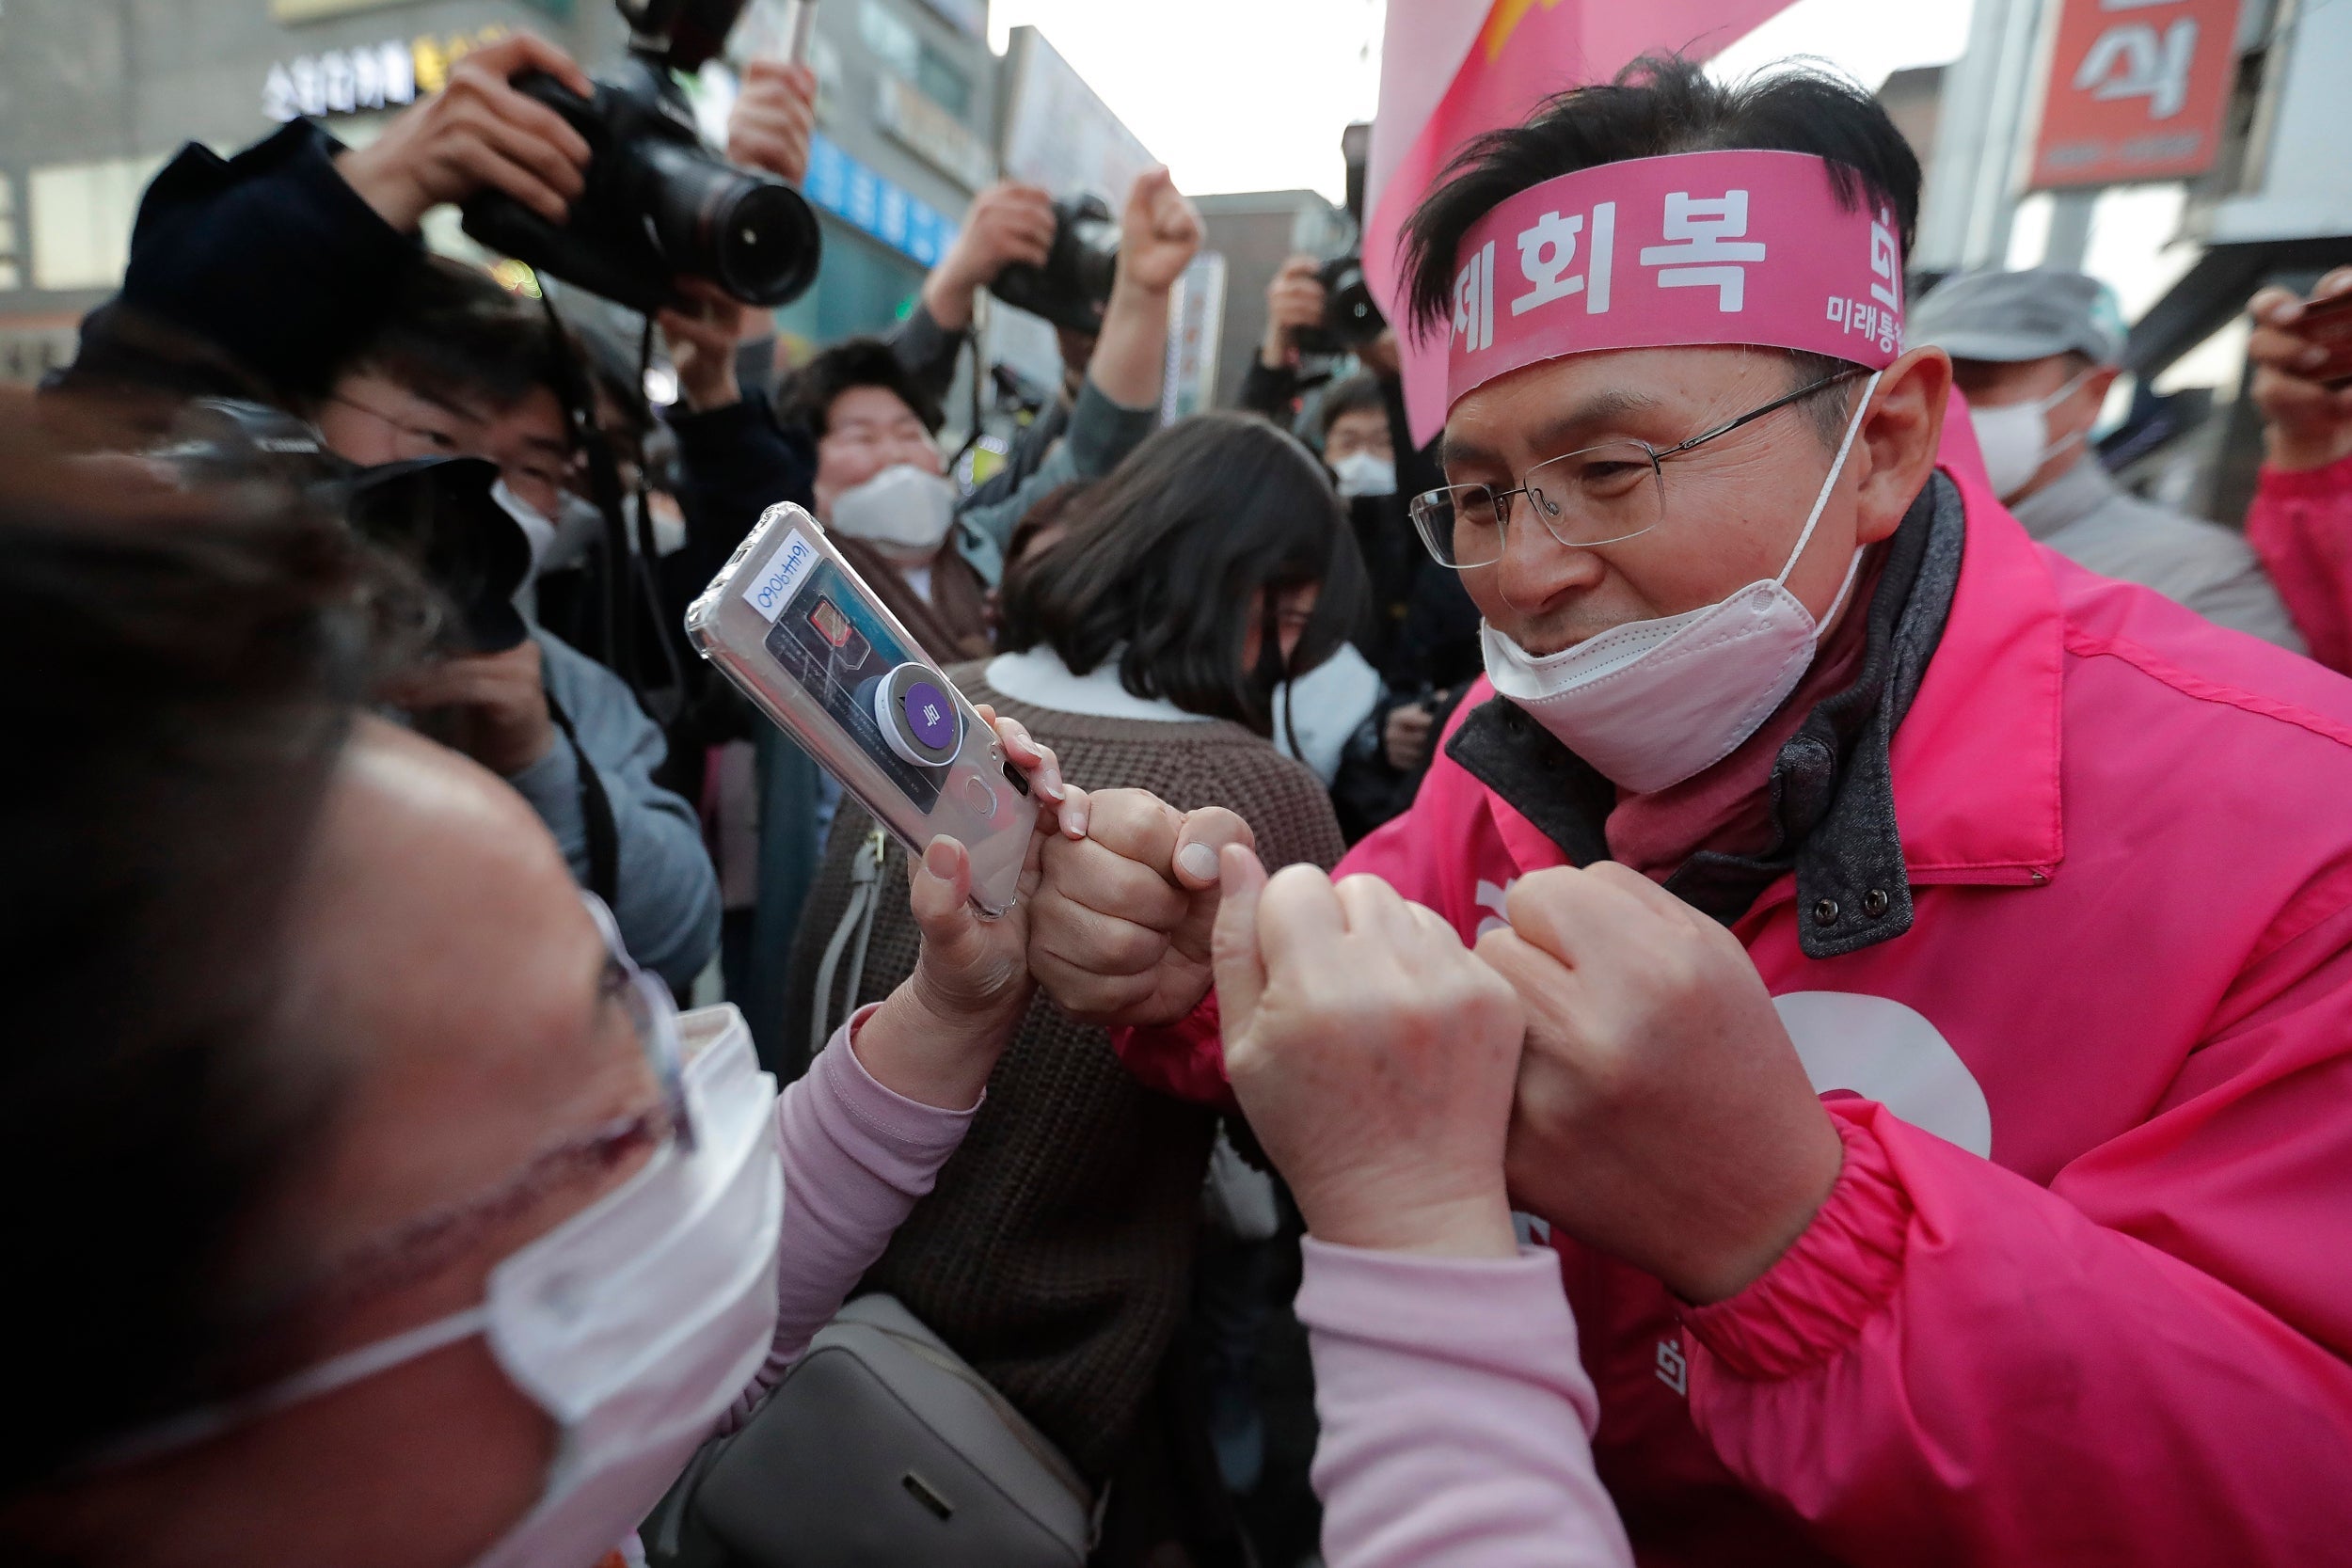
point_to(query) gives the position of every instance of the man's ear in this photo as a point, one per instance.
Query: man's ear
(1899, 439)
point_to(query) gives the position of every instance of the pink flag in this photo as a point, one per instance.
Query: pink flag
(1448, 73)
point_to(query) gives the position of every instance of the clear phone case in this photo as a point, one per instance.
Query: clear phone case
(798, 633)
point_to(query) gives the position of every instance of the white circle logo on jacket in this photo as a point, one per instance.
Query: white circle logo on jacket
(1883, 1050)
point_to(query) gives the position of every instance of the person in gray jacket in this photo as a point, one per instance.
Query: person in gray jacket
(463, 368)
(2034, 352)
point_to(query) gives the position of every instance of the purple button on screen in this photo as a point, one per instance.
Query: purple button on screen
(931, 715)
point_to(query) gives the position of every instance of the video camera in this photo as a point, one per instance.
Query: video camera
(1073, 287)
(659, 203)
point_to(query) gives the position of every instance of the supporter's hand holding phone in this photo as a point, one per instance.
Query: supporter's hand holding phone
(1374, 1055)
(2306, 424)
(478, 133)
(936, 1039)
(774, 116)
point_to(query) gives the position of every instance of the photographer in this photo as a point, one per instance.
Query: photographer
(460, 366)
(1112, 386)
(259, 274)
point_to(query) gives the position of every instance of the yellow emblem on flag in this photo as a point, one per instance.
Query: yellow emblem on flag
(1505, 19)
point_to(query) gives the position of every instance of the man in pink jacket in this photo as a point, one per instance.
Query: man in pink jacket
(2300, 523)
(1942, 1108)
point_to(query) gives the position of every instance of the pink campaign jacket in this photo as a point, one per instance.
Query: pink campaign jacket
(2082, 1292)
(2300, 523)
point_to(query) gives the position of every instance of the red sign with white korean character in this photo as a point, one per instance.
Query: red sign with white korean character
(1736, 246)
(2137, 90)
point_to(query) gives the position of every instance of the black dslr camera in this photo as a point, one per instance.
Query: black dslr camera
(659, 203)
(1351, 317)
(1073, 287)
(437, 513)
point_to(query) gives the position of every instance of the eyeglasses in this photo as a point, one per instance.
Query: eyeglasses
(414, 440)
(1597, 494)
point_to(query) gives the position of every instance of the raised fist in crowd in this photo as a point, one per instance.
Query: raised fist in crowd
(2305, 425)
(1293, 300)
(774, 116)
(478, 133)
(1159, 232)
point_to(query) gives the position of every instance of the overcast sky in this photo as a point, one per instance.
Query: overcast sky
(1247, 95)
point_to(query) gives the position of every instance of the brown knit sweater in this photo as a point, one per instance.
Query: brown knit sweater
(1056, 1252)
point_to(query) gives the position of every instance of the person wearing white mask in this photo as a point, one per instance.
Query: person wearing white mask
(2035, 354)
(1931, 951)
(462, 367)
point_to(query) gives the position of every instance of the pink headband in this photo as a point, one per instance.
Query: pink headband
(1700, 247)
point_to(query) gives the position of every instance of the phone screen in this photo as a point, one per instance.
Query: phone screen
(2329, 323)
(839, 651)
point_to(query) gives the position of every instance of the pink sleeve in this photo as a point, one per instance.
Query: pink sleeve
(1456, 1418)
(2300, 525)
(1956, 1365)
(856, 1157)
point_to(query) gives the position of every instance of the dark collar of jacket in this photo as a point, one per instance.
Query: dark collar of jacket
(1832, 782)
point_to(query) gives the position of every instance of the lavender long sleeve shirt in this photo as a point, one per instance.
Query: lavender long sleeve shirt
(1456, 1417)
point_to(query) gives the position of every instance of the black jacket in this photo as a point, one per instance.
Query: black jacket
(251, 277)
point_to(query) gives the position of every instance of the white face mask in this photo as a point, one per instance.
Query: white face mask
(1651, 703)
(634, 1324)
(538, 528)
(2014, 437)
(904, 511)
(1362, 473)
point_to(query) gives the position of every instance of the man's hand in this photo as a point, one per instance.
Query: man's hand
(478, 133)
(1119, 932)
(1158, 234)
(1405, 738)
(702, 344)
(1662, 1117)
(936, 1039)
(1008, 222)
(2304, 424)
(1375, 1057)
(1293, 299)
(491, 707)
(773, 117)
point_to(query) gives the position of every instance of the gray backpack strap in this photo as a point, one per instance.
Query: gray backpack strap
(857, 925)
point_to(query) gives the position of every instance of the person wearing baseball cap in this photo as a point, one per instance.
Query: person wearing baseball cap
(2034, 352)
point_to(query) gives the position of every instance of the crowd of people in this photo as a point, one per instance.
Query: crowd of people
(1748, 942)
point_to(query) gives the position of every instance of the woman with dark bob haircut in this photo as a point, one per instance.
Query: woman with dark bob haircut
(1144, 641)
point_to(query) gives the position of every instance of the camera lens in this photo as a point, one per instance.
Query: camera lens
(753, 235)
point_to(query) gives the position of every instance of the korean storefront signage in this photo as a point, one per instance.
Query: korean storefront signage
(2137, 90)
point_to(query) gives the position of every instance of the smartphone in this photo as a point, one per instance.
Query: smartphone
(2329, 323)
(797, 631)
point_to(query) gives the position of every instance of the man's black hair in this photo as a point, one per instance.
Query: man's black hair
(808, 396)
(1164, 560)
(1358, 394)
(452, 333)
(1662, 104)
